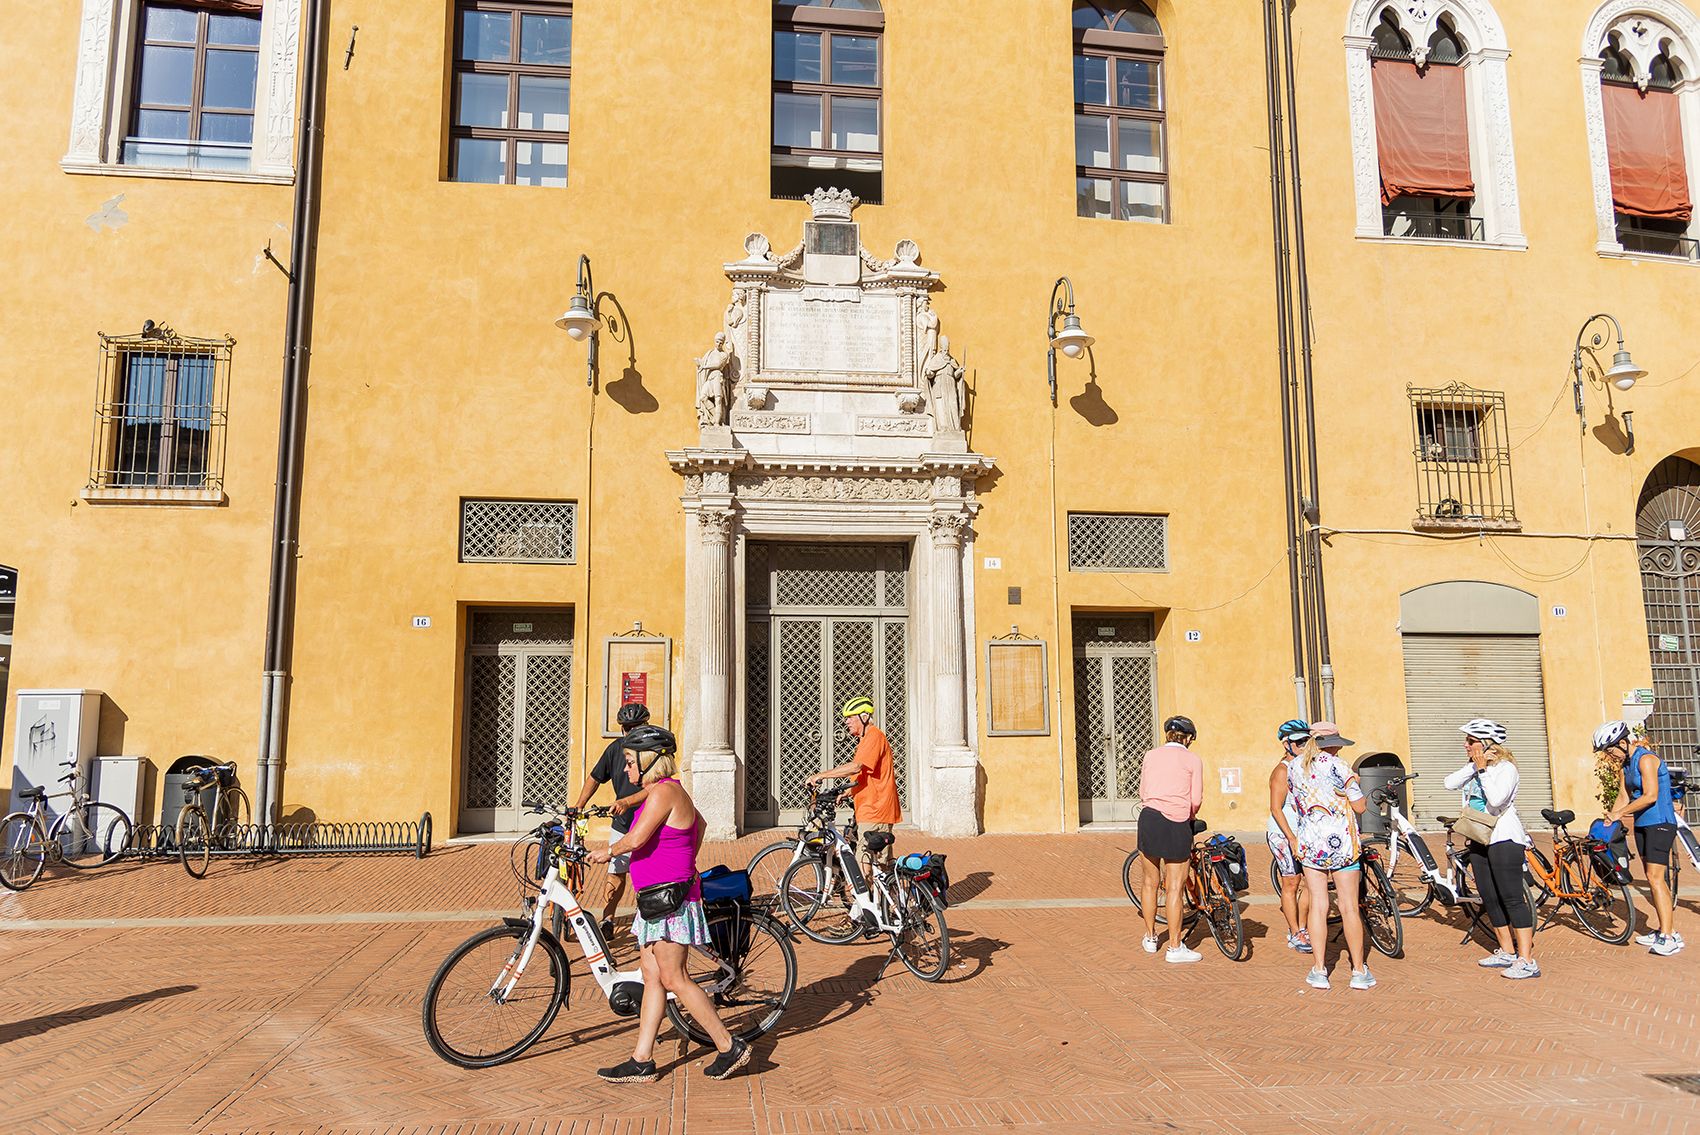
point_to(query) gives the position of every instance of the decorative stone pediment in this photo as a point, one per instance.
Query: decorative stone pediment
(829, 349)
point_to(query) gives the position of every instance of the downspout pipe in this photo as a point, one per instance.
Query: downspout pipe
(1325, 668)
(286, 519)
(1277, 212)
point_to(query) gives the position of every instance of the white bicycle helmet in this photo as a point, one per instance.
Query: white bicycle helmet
(1484, 730)
(1610, 734)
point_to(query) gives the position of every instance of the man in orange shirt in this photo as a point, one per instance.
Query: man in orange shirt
(875, 789)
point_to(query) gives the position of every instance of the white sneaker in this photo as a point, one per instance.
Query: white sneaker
(1363, 979)
(1317, 979)
(1182, 954)
(1666, 946)
(1297, 942)
(1499, 959)
(1521, 968)
(1150, 945)
(1649, 938)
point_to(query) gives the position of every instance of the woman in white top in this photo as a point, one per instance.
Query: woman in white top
(1489, 783)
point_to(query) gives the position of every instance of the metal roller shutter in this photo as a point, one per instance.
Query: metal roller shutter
(1451, 678)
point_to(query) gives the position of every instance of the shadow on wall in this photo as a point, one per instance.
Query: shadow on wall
(1089, 403)
(627, 391)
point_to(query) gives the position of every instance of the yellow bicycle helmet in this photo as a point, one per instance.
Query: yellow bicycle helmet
(857, 706)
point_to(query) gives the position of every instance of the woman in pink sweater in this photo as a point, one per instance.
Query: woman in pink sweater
(1171, 787)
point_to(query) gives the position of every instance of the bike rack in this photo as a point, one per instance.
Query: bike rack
(352, 837)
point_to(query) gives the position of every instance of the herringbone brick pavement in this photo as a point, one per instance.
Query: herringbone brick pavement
(284, 998)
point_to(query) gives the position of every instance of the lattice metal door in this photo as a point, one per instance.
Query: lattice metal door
(1668, 525)
(1115, 681)
(518, 715)
(827, 622)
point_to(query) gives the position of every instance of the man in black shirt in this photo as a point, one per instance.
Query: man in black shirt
(612, 767)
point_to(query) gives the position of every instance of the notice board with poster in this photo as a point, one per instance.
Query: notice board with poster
(636, 668)
(1017, 688)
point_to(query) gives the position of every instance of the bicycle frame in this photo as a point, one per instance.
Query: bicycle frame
(1447, 884)
(841, 856)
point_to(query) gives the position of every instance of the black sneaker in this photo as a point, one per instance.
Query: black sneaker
(607, 930)
(728, 1062)
(630, 1072)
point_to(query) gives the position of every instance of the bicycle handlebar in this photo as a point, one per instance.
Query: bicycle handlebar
(539, 808)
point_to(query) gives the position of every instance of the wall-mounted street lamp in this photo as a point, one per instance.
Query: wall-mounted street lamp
(1586, 361)
(1072, 340)
(581, 318)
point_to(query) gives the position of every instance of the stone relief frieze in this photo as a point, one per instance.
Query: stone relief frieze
(907, 426)
(770, 423)
(763, 486)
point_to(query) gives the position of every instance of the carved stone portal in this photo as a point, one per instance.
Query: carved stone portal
(831, 407)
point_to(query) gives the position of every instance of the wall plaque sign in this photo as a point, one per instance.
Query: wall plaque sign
(800, 334)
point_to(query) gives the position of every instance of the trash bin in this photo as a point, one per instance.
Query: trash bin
(1376, 771)
(171, 790)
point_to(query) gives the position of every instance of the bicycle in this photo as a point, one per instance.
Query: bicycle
(1376, 900)
(1422, 881)
(768, 866)
(87, 834)
(826, 895)
(478, 1012)
(1207, 890)
(1578, 878)
(195, 836)
(533, 853)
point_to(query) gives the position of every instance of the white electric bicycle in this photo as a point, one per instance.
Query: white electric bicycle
(498, 992)
(1417, 877)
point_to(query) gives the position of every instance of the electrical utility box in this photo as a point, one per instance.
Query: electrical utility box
(54, 726)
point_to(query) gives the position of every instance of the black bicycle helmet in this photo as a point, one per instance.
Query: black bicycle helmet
(632, 713)
(649, 739)
(1181, 724)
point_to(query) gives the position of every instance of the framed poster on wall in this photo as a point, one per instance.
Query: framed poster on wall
(636, 668)
(1017, 688)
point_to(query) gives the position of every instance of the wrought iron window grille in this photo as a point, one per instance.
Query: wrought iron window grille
(1463, 458)
(1101, 541)
(518, 531)
(160, 411)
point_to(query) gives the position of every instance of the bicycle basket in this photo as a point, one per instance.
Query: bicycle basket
(927, 870)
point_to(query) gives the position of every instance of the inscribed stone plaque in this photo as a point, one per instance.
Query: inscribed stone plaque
(799, 334)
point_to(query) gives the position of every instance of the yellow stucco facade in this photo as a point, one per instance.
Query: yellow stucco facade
(437, 375)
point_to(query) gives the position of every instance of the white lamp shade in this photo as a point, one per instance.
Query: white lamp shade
(577, 321)
(1072, 340)
(1624, 373)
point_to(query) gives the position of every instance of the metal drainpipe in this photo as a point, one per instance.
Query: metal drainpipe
(286, 521)
(1325, 668)
(1277, 208)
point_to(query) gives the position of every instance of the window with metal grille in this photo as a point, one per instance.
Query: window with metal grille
(512, 90)
(827, 97)
(1463, 458)
(1107, 541)
(1120, 132)
(523, 532)
(160, 411)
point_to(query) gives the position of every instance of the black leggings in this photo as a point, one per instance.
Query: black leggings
(1498, 869)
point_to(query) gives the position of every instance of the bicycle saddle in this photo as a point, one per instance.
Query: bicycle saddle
(33, 794)
(877, 842)
(1558, 819)
(1199, 827)
(1446, 821)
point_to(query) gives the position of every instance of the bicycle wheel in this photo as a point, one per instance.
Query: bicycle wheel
(194, 840)
(817, 901)
(751, 988)
(1411, 892)
(91, 835)
(1133, 876)
(23, 850)
(1222, 915)
(1537, 869)
(234, 817)
(1380, 905)
(1608, 913)
(766, 868)
(923, 944)
(470, 1021)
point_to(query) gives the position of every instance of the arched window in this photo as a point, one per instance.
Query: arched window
(1120, 142)
(828, 75)
(1431, 122)
(1634, 94)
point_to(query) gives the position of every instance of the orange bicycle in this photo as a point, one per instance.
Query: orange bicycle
(1585, 877)
(1210, 890)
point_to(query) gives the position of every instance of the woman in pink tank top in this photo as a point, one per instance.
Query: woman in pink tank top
(666, 832)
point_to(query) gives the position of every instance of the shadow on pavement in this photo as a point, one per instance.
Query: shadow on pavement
(977, 951)
(970, 886)
(35, 1026)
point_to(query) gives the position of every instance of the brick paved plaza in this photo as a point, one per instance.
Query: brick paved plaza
(284, 997)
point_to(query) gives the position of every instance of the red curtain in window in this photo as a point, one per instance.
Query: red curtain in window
(1422, 131)
(1649, 175)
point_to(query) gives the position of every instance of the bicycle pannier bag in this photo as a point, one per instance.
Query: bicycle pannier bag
(1606, 863)
(727, 891)
(663, 899)
(1233, 866)
(928, 870)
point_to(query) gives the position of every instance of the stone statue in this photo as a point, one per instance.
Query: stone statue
(943, 376)
(926, 331)
(735, 311)
(711, 383)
